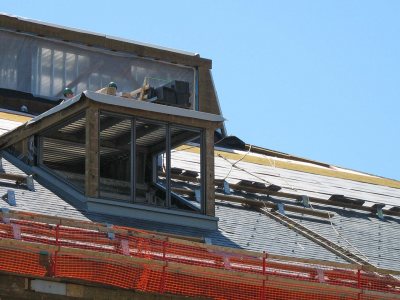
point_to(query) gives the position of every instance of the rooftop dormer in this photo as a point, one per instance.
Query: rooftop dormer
(114, 147)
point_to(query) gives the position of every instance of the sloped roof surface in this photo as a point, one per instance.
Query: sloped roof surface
(361, 232)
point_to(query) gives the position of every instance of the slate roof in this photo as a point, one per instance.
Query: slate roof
(241, 227)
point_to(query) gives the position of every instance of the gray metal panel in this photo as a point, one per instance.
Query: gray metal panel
(148, 106)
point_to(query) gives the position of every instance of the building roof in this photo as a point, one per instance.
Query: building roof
(356, 228)
(67, 34)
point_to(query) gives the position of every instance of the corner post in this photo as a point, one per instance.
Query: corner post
(209, 189)
(92, 152)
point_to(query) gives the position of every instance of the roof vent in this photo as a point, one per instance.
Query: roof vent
(346, 200)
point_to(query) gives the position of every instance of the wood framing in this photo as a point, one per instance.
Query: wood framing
(28, 129)
(92, 152)
(208, 101)
(208, 155)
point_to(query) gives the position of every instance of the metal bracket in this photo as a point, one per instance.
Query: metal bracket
(30, 183)
(16, 231)
(281, 208)
(208, 241)
(305, 201)
(320, 275)
(378, 210)
(10, 197)
(6, 216)
(110, 233)
(227, 189)
(125, 247)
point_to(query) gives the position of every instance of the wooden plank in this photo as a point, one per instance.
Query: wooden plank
(160, 116)
(258, 203)
(15, 177)
(92, 152)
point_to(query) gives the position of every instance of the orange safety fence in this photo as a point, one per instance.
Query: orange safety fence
(128, 258)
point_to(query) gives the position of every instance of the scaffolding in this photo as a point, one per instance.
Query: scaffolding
(128, 258)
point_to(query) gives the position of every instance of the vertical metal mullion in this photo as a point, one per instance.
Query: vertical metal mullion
(52, 73)
(133, 160)
(168, 166)
(65, 70)
(40, 72)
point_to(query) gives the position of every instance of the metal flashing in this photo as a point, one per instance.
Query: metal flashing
(148, 106)
(142, 212)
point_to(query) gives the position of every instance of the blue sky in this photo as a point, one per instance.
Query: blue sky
(317, 79)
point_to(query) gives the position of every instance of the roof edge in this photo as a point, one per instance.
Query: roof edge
(93, 39)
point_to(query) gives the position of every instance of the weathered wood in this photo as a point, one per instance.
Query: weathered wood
(100, 227)
(26, 130)
(92, 152)
(160, 116)
(15, 177)
(208, 172)
(207, 96)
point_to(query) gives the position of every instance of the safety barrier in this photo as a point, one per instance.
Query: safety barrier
(44, 246)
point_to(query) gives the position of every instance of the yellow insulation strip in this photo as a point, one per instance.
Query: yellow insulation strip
(14, 117)
(301, 167)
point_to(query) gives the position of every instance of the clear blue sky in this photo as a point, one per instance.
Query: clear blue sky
(317, 79)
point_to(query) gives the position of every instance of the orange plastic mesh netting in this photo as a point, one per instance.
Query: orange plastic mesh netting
(44, 246)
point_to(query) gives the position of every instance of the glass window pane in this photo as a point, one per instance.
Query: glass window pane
(151, 164)
(115, 157)
(186, 175)
(63, 151)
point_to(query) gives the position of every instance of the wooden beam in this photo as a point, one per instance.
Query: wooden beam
(92, 152)
(208, 171)
(26, 130)
(156, 116)
(14, 177)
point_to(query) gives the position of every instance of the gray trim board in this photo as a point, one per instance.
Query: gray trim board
(154, 214)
